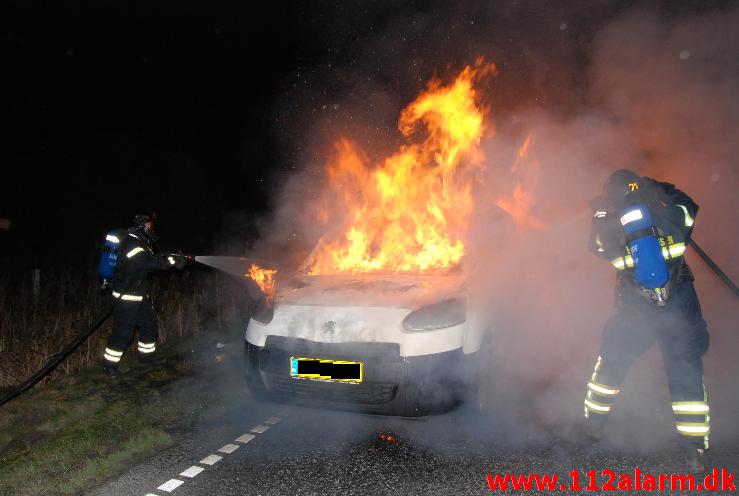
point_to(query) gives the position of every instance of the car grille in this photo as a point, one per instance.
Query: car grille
(375, 393)
(376, 352)
(379, 359)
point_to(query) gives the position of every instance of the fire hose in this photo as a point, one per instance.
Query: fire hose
(720, 273)
(58, 357)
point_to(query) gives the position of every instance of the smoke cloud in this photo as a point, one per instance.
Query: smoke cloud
(596, 86)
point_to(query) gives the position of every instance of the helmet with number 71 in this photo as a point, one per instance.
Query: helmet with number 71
(619, 186)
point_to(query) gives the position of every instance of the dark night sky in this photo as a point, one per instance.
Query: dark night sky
(198, 109)
(114, 106)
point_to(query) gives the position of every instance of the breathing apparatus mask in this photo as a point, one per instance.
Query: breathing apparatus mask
(143, 225)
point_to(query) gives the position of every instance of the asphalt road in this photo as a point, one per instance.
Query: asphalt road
(294, 450)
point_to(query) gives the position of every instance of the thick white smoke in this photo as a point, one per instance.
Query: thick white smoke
(662, 100)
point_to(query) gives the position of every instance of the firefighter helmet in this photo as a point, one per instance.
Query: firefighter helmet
(619, 185)
(144, 224)
(148, 216)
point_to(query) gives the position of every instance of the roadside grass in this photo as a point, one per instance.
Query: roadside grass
(36, 321)
(65, 436)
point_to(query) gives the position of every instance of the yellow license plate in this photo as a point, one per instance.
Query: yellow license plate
(326, 370)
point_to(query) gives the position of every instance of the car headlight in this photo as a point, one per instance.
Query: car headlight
(439, 315)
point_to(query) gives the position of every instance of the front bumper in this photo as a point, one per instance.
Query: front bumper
(392, 385)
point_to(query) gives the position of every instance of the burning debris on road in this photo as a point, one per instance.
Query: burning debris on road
(388, 438)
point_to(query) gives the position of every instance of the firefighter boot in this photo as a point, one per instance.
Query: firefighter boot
(587, 439)
(150, 358)
(593, 429)
(110, 369)
(695, 460)
(583, 437)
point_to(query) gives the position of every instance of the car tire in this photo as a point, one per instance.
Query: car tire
(253, 376)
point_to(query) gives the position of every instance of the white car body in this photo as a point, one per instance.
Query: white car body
(327, 313)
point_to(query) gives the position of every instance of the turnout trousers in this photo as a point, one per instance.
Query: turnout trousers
(127, 316)
(682, 335)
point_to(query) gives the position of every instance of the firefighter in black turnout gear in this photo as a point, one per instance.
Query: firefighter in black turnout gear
(669, 315)
(130, 286)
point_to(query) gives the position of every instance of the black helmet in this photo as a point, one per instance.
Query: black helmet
(619, 185)
(144, 223)
(147, 215)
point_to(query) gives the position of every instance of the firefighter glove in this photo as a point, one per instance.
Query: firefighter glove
(598, 204)
(175, 260)
(179, 261)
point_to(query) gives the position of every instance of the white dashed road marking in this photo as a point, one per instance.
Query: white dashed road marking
(245, 438)
(171, 485)
(211, 460)
(229, 448)
(192, 471)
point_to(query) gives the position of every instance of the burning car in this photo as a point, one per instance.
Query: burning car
(377, 319)
(396, 344)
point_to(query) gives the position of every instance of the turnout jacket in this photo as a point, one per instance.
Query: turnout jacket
(673, 213)
(136, 262)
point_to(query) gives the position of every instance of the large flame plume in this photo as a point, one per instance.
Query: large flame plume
(410, 212)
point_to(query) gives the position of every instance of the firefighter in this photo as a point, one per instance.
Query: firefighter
(670, 316)
(131, 285)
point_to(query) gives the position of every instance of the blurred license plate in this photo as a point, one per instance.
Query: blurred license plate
(326, 370)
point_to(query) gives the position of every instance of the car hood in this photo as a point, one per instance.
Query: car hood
(387, 291)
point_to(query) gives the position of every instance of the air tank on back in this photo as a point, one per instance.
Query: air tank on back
(650, 266)
(109, 255)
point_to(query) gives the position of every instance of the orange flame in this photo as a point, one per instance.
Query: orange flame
(265, 279)
(519, 203)
(409, 214)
